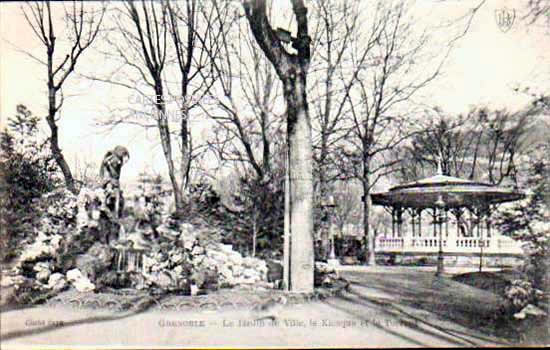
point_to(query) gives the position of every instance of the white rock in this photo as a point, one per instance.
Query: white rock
(178, 270)
(261, 265)
(229, 281)
(43, 275)
(226, 248)
(249, 273)
(55, 242)
(218, 256)
(42, 237)
(198, 260)
(236, 259)
(80, 282)
(533, 311)
(84, 285)
(74, 274)
(162, 279)
(82, 217)
(245, 281)
(7, 281)
(249, 262)
(176, 258)
(225, 271)
(34, 251)
(186, 228)
(55, 277)
(188, 244)
(41, 266)
(237, 270)
(57, 281)
(197, 250)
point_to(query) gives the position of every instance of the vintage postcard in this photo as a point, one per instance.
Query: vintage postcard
(274, 174)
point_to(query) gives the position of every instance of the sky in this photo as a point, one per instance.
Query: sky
(483, 69)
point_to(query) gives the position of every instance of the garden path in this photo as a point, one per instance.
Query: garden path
(411, 309)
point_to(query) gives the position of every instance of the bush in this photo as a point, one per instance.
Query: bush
(519, 294)
(28, 171)
(238, 210)
(528, 220)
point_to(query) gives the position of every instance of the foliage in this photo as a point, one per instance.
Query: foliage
(28, 171)
(54, 231)
(249, 207)
(519, 293)
(264, 203)
(529, 220)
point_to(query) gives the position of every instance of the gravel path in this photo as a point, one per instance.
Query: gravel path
(380, 310)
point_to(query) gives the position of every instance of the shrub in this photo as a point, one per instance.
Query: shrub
(519, 294)
(28, 171)
(529, 220)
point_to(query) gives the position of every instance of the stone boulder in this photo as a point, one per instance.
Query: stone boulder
(84, 285)
(57, 282)
(97, 260)
(162, 279)
(530, 311)
(79, 281)
(43, 271)
(324, 274)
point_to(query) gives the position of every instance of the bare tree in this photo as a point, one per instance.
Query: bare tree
(348, 204)
(292, 70)
(441, 144)
(381, 105)
(241, 103)
(191, 48)
(246, 122)
(333, 75)
(482, 145)
(148, 39)
(149, 34)
(537, 9)
(82, 28)
(338, 25)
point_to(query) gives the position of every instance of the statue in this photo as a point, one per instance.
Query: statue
(110, 178)
(112, 165)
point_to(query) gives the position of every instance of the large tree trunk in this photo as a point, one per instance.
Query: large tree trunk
(292, 70)
(166, 143)
(301, 183)
(286, 240)
(185, 147)
(323, 193)
(54, 138)
(367, 204)
(254, 230)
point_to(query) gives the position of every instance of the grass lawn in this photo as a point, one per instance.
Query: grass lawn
(472, 300)
(495, 282)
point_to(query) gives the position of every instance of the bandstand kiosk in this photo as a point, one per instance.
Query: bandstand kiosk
(443, 202)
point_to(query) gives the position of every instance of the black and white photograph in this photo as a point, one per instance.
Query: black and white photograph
(274, 174)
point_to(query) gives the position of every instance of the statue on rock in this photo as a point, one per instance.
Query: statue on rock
(110, 177)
